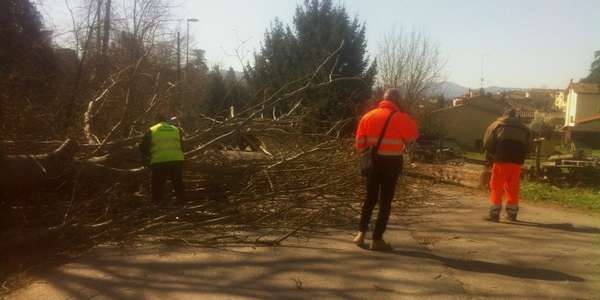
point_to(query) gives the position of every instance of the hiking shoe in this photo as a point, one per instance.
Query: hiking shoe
(492, 217)
(494, 213)
(359, 239)
(380, 245)
(511, 213)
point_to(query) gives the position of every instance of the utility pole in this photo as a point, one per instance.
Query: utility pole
(481, 84)
(178, 89)
(178, 58)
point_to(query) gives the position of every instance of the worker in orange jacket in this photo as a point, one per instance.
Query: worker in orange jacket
(506, 143)
(387, 161)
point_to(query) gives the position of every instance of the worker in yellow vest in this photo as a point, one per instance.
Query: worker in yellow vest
(161, 149)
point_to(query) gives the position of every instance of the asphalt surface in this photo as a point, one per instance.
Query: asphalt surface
(443, 249)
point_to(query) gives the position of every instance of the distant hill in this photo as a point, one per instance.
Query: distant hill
(448, 89)
(452, 90)
(496, 89)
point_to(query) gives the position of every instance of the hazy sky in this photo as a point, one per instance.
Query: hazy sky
(524, 43)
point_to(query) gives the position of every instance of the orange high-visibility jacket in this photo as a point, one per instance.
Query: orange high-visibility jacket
(401, 129)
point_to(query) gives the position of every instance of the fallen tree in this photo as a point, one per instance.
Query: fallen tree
(23, 174)
(290, 184)
(96, 191)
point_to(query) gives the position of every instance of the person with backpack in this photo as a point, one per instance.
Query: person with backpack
(506, 143)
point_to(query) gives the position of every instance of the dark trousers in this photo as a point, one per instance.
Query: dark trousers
(381, 186)
(161, 172)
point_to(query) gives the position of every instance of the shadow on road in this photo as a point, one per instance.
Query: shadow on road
(558, 226)
(493, 268)
(123, 278)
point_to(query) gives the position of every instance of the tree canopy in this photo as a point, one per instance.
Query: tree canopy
(291, 52)
(594, 76)
(25, 51)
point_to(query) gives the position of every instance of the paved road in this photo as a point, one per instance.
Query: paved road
(443, 250)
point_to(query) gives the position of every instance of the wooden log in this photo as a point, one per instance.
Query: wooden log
(22, 174)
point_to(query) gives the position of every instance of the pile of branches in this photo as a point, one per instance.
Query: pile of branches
(294, 186)
(89, 190)
(78, 196)
(248, 180)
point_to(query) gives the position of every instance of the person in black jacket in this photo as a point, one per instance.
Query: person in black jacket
(506, 143)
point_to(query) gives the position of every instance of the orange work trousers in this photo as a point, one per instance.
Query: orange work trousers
(505, 178)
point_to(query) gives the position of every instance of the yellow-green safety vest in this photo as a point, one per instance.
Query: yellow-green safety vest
(166, 143)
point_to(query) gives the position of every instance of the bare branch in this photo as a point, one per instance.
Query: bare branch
(409, 61)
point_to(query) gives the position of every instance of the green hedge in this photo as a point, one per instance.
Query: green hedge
(586, 198)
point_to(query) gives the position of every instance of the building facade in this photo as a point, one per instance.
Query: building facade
(583, 102)
(582, 115)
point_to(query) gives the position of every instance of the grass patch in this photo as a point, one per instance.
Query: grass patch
(474, 155)
(585, 198)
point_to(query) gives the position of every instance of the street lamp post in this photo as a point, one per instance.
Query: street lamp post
(187, 43)
(178, 57)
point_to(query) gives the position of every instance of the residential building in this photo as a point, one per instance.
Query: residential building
(467, 120)
(582, 115)
(525, 111)
(583, 101)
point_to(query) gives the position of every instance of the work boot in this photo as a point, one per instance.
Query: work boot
(359, 239)
(511, 213)
(511, 217)
(380, 245)
(494, 215)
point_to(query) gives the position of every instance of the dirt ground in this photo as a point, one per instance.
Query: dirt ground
(442, 250)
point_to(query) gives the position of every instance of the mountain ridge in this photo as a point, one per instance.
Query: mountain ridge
(452, 90)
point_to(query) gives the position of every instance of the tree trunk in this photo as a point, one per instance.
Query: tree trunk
(23, 174)
(105, 41)
(98, 40)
